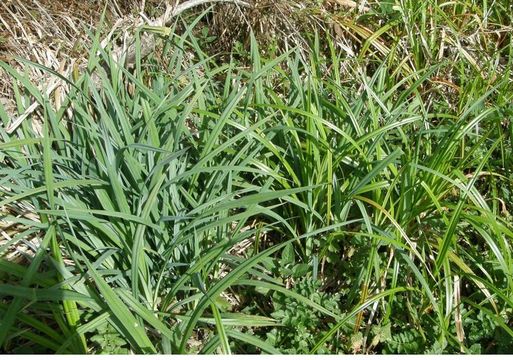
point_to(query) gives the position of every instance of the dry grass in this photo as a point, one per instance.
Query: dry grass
(282, 23)
(52, 33)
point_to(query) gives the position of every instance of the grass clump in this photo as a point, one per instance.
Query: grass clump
(318, 204)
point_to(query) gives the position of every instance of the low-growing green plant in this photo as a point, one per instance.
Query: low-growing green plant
(302, 326)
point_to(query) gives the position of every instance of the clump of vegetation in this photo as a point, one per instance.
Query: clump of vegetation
(352, 196)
